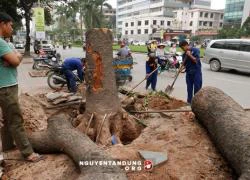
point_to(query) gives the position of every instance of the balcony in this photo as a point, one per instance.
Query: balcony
(156, 4)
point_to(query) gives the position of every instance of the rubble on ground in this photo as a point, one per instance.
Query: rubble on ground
(190, 152)
(42, 73)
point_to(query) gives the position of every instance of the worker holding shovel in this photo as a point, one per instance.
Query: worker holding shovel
(193, 69)
(151, 72)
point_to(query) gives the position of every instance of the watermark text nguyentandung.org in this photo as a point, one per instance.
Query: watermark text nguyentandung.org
(126, 165)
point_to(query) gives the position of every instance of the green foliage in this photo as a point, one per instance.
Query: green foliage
(10, 7)
(245, 29)
(235, 32)
(227, 33)
(26, 11)
(195, 38)
(47, 16)
(91, 11)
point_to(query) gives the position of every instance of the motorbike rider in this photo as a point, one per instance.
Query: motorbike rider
(124, 51)
(172, 50)
(160, 53)
(69, 65)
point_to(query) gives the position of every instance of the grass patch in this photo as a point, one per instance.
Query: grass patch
(143, 49)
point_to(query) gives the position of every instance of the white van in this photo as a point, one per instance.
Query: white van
(228, 53)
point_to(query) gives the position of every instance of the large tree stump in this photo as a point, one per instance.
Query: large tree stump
(62, 137)
(102, 94)
(228, 125)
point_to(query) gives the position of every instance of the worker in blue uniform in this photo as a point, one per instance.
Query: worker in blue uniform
(69, 65)
(151, 65)
(191, 58)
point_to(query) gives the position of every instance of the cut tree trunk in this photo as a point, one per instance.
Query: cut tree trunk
(62, 137)
(228, 125)
(101, 93)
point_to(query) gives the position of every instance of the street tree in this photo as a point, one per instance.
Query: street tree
(234, 32)
(102, 119)
(66, 20)
(245, 29)
(26, 11)
(102, 100)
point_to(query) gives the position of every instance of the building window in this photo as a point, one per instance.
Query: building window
(146, 22)
(131, 32)
(145, 31)
(162, 23)
(206, 15)
(132, 23)
(201, 14)
(138, 31)
(139, 23)
(205, 23)
(154, 30)
(200, 23)
(221, 24)
(154, 22)
(169, 23)
(126, 32)
(191, 23)
(210, 24)
(212, 15)
(221, 17)
(192, 14)
(126, 24)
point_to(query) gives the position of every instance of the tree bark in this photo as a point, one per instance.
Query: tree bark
(62, 137)
(27, 24)
(228, 125)
(101, 93)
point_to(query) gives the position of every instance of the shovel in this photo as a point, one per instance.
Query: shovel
(170, 88)
(139, 83)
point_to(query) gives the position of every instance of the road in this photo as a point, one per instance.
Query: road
(236, 85)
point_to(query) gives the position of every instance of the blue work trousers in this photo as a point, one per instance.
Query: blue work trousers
(71, 80)
(194, 84)
(152, 80)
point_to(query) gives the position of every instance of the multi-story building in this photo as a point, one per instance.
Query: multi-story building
(201, 4)
(199, 21)
(143, 28)
(236, 12)
(158, 13)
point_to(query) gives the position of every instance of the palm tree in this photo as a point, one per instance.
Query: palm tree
(91, 11)
(101, 4)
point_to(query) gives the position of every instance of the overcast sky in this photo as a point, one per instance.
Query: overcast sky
(215, 4)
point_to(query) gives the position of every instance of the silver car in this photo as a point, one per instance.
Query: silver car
(228, 53)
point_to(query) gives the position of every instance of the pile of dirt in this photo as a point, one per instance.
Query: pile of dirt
(56, 166)
(159, 103)
(191, 154)
(35, 118)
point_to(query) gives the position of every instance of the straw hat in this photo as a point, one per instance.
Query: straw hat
(159, 45)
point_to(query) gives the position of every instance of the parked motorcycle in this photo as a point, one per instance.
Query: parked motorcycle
(48, 59)
(56, 78)
(169, 62)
